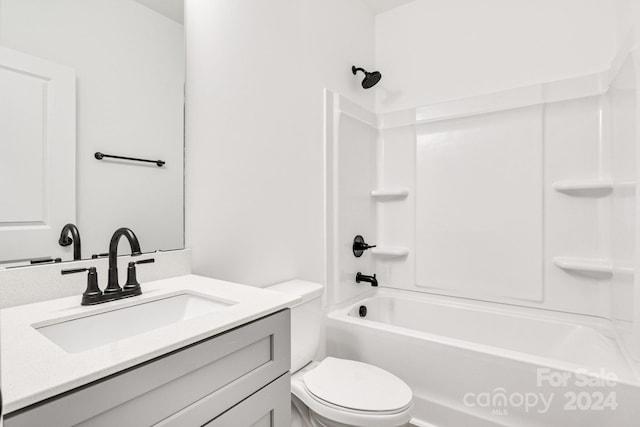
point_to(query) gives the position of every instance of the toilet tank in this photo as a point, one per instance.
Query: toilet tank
(306, 320)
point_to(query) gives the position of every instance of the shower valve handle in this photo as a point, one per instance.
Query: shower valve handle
(359, 246)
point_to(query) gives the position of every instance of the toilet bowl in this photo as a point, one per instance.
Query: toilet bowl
(337, 392)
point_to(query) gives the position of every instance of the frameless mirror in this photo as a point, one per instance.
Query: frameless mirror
(80, 77)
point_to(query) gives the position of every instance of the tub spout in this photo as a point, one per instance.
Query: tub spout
(364, 278)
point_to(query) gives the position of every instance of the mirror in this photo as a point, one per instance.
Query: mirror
(80, 77)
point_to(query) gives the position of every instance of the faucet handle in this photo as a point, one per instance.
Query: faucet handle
(132, 287)
(45, 260)
(96, 256)
(73, 270)
(359, 246)
(92, 294)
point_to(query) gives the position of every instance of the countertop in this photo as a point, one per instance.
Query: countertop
(34, 368)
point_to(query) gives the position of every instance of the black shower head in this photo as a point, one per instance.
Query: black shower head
(370, 78)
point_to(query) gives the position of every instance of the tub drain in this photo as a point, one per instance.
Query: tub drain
(362, 311)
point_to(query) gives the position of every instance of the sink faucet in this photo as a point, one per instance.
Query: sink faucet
(68, 235)
(113, 287)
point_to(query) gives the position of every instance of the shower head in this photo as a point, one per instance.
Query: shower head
(370, 78)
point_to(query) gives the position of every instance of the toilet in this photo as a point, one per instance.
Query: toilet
(336, 392)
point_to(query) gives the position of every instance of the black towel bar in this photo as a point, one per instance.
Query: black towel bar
(101, 156)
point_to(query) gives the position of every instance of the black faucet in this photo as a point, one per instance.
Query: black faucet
(364, 278)
(68, 235)
(113, 287)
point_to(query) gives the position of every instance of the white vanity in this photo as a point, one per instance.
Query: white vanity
(189, 351)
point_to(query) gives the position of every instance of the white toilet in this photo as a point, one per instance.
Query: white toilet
(337, 392)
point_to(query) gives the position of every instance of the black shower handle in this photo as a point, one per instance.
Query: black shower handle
(359, 246)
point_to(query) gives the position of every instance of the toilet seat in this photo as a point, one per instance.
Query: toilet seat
(357, 386)
(353, 393)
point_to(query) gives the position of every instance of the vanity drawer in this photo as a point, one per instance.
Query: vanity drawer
(226, 369)
(269, 407)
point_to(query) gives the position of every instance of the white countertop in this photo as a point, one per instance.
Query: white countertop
(34, 368)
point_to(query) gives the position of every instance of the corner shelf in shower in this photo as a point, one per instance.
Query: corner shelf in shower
(390, 193)
(590, 265)
(390, 251)
(590, 187)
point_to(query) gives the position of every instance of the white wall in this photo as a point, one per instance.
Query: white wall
(129, 63)
(478, 191)
(623, 112)
(627, 16)
(352, 159)
(580, 246)
(255, 179)
(433, 50)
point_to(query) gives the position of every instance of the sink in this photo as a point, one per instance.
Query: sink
(85, 333)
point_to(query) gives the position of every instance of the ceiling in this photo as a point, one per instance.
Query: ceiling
(380, 6)
(172, 9)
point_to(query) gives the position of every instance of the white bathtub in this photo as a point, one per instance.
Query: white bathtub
(476, 364)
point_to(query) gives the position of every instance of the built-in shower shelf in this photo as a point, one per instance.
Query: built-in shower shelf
(591, 265)
(390, 193)
(590, 186)
(390, 251)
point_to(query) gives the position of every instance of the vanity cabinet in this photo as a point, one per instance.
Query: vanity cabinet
(237, 378)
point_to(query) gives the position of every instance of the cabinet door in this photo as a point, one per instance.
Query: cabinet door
(269, 407)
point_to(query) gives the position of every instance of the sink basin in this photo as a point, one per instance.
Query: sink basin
(88, 332)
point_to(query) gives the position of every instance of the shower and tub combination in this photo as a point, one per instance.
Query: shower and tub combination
(504, 229)
(485, 364)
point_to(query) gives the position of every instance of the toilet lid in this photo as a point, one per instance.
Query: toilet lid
(357, 386)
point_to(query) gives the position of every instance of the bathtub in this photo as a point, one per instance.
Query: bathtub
(476, 364)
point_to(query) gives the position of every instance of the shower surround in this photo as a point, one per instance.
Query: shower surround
(523, 199)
